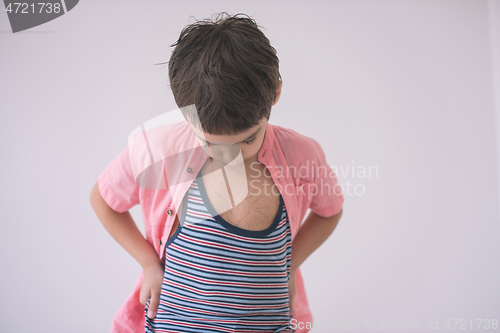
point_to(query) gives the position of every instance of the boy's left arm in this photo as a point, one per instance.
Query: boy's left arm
(312, 233)
(315, 230)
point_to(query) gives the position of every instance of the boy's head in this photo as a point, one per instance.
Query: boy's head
(228, 70)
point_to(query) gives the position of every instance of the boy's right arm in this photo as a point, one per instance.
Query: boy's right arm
(124, 230)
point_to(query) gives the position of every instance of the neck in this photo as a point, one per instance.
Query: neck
(250, 160)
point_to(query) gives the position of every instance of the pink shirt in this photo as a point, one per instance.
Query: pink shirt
(296, 162)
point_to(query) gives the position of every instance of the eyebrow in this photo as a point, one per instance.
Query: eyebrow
(251, 136)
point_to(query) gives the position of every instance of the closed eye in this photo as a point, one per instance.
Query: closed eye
(205, 142)
(249, 141)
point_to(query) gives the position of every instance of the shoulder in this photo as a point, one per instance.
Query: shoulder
(151, 143)
(300, 152)
(295, 146)
(163, 139)
(176, 130)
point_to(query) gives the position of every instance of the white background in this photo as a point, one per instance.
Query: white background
(410, 87)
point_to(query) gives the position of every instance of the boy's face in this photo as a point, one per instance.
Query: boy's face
(227, 147)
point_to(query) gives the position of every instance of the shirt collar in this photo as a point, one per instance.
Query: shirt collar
(267, 144)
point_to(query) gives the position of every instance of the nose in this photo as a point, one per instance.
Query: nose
(226, 153)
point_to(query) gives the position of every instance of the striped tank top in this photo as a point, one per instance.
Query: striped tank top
(222, 278)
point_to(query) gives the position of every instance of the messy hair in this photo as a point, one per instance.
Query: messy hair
(227, 71)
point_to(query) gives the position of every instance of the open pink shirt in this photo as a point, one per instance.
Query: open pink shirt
(296, 162)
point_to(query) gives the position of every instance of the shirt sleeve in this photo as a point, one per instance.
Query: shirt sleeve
(326, 193)
(117, 184)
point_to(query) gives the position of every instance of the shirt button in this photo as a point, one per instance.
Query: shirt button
(169, 211)
(159, 241)
(190, 170)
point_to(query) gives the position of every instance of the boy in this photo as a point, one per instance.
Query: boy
(229, 71)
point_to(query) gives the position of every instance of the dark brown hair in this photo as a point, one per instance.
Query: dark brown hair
(228, 69)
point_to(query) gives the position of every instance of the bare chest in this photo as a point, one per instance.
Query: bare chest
(251, 204)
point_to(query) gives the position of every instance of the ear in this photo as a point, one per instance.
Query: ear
(278, 93)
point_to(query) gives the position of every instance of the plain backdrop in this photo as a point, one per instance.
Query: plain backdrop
(409, 88)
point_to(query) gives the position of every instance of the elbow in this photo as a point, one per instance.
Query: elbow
(95, 195)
